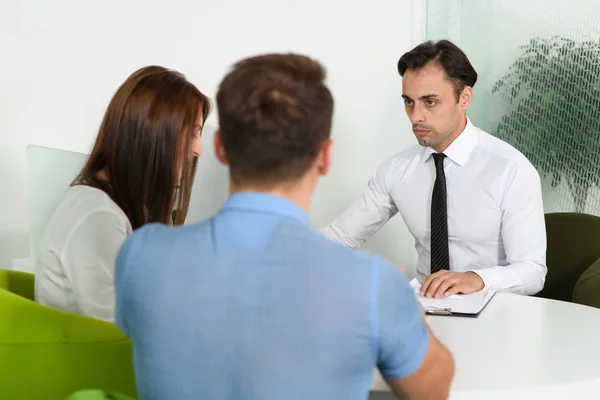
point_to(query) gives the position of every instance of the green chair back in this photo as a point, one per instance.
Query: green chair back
(49, 354)
(94, 394)
(587, 288)
(573, 246)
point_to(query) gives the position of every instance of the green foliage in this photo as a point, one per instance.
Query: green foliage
(552, 93)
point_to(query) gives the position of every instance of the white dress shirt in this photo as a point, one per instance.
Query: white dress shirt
(496, 222)
(76, 262)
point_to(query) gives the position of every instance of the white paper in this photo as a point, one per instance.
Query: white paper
(459, 303)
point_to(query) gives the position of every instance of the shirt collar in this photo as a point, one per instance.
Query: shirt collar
(461, 148)
(266, 203)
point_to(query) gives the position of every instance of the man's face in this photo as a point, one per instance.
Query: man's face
(431, 105)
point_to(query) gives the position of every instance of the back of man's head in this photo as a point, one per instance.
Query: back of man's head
(274, 116)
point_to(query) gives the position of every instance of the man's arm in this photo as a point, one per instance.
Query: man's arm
(124, 291)
(523, 235)
(369, 213)
(413, 361)
(433, 377)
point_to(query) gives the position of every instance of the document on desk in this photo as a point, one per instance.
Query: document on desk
(464, 305)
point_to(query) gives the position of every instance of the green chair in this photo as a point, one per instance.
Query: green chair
(587, 287)
(50, 354)
(573, 258)
(94, 394)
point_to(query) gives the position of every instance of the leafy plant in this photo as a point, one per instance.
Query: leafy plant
(552, 93)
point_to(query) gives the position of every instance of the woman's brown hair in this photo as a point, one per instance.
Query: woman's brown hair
(140, 158)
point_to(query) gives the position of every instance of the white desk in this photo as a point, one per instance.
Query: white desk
(522, 348)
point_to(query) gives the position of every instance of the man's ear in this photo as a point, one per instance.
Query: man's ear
(324, 157)
(465, 98)
(219, 149)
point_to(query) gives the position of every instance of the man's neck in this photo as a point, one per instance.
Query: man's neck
(462, 125)
(299, 193)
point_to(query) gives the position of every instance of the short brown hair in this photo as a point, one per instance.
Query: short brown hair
(275, 114)
(144, 138)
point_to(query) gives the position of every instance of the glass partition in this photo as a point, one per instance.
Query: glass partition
(49, 174)
(539, 85)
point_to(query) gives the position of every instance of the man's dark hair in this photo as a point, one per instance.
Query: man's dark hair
(275, 114)
(448, 56)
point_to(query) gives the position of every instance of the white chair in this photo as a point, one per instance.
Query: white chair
(50, 172)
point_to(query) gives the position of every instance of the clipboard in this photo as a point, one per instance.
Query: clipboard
(449, 313)
(463, 305)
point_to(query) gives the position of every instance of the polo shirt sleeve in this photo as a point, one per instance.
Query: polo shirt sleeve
(402, 338)
(123, 269)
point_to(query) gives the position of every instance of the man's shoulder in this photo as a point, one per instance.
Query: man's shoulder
(362, 267)
(153, 233)
(316, 243)
(407, 155)
(156, 240)
(503, 150)
(396, 165)
(500, 148)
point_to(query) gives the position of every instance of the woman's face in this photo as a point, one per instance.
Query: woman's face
(197, 137)
(195, 144)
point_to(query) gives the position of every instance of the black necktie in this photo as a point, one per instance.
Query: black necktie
(440, 258)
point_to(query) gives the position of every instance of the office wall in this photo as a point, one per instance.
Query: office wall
(63, 60)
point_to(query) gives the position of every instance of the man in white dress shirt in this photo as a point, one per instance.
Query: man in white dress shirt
(472, 202)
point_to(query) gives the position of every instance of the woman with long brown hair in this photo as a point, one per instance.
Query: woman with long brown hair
(140, 171)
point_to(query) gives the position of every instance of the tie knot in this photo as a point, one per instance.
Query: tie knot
(438, 158)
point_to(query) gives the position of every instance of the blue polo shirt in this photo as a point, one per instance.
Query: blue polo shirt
(254, 304)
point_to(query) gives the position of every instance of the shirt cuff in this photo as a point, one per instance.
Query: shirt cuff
(503, 279)
(492, 278)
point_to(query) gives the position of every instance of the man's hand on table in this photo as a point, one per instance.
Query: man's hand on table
(446, 283)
